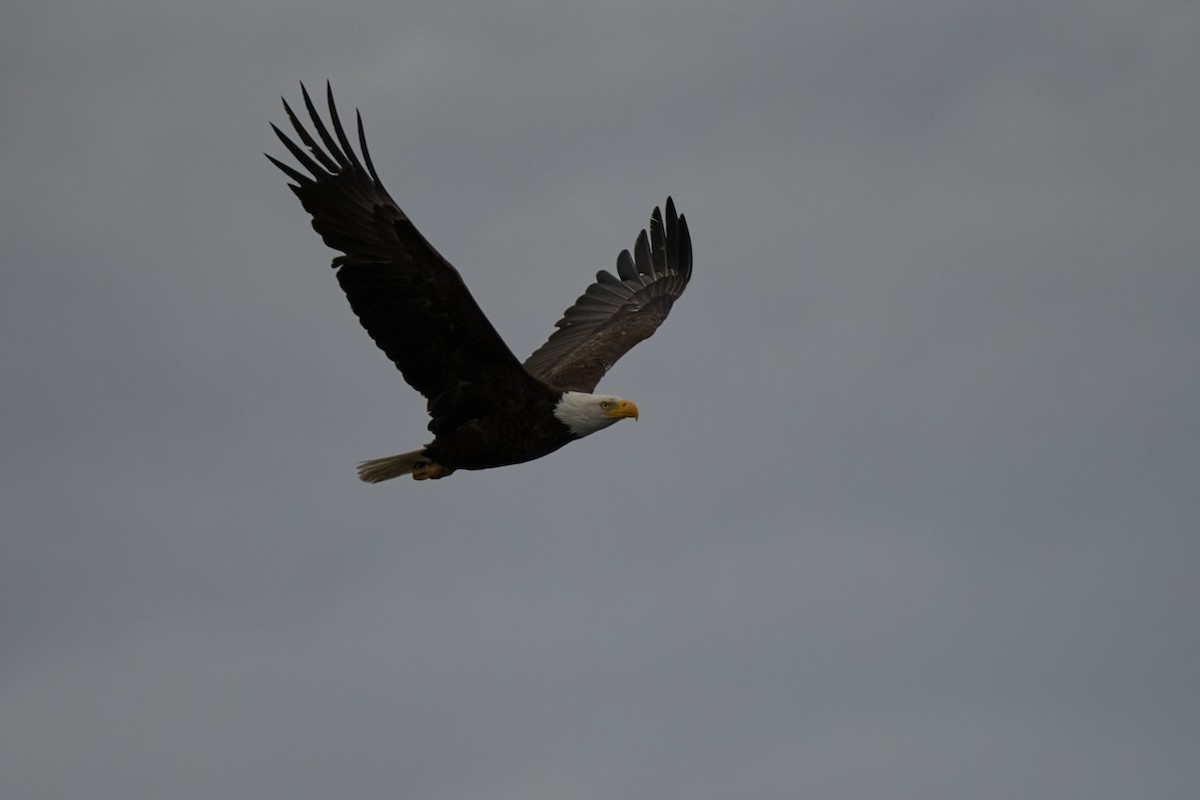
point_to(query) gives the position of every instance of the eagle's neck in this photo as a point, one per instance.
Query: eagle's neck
(582, 413)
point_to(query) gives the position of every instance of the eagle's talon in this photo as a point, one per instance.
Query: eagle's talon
(428, 470)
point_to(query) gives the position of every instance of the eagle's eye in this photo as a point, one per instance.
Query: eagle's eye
(604, 404)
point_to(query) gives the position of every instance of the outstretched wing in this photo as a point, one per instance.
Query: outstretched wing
(615, 313)
(411, 301)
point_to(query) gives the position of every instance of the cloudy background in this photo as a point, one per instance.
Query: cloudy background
(913, 507)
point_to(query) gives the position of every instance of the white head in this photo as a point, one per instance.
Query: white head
(585, 413)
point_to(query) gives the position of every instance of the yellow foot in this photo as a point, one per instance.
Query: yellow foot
(426, 470)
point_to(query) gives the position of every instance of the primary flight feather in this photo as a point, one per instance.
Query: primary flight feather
(486, 408)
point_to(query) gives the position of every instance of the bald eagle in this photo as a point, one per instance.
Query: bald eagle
(486, 408)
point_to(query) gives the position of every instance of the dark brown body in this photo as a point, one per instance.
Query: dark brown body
(521, 432)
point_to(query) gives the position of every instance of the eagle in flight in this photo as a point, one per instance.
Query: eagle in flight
(486, 408)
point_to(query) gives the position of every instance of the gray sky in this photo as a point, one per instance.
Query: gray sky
(911, 511)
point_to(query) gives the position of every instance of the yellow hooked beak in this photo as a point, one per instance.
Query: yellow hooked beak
(623, 408)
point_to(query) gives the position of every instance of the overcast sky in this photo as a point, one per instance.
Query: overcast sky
(913, 506)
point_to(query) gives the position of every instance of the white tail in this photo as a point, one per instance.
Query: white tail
(382, 469)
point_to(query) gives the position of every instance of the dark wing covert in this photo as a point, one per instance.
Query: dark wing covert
(617, 312)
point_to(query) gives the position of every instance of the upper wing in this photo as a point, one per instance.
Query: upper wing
(615, 313)
(411, 301)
